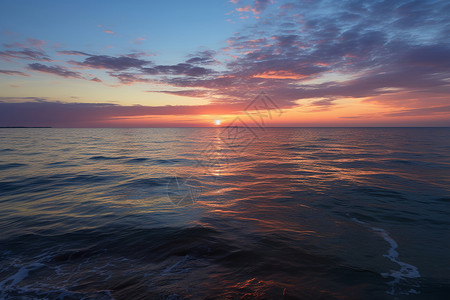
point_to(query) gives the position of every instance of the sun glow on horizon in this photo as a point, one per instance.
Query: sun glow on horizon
(217, 122)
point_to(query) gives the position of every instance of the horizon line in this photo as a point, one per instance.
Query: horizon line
(256, 127)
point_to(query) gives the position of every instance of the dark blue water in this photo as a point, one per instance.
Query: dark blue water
(287, 213)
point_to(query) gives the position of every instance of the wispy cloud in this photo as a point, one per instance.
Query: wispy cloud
(259, 6)
(35, 43)
(25, 53)
(78, 53)
(244, 8)
(139, 41)
(112, 63)
(439, 110)
(9, 72)
(55, 70)
(205, 57)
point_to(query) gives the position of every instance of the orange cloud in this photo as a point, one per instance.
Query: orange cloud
(109, 31)
(279, 75)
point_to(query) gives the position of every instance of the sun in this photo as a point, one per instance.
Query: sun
(217, 122)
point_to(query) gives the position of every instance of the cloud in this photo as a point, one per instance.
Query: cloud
(109, 31)
(355, 42)
(14, 45)
(139, 41)
(178, 69)
(439, 110)
(35, 43)
(112, 63)
(26, 53)
(259, 6)
(60, 114)
(13, 73)
(189, 93)
(55, 70)
(95, 79)
(131, 68)
(78, 53)
(202, 58)
(129, 78)
(244, 9)
(322, 102)
(435, 56)
(29, 43)
(22, 99)
(281, 74)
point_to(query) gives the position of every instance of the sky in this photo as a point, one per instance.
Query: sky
(193, 63)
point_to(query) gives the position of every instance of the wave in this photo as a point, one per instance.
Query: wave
(11, 166)
(101, 157)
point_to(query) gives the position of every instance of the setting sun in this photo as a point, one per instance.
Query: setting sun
(217, 122)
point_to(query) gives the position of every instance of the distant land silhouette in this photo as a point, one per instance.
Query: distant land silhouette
(25, 127)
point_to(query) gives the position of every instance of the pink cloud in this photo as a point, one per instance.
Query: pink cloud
(139, 41)
(259, 6)
(244, 9)
(14, 45)
(35, 43)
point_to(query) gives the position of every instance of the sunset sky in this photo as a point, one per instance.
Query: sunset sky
(190, 63)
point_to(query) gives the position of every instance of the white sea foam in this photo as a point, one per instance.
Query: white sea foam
(407, 271)
(14, 285)
(12, 281)
(20, 275)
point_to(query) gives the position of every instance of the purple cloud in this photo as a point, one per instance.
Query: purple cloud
(26, 53)
(112, 63)
(129, 78)
(55, 70)
(59, 114)
(179, 69)
(259, 6)
(9, 72)
(202, 58)
(35, 43)
(79, 53)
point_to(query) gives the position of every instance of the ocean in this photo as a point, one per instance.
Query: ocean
(225, 213)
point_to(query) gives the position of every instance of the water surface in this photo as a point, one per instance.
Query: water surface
(280, 213)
